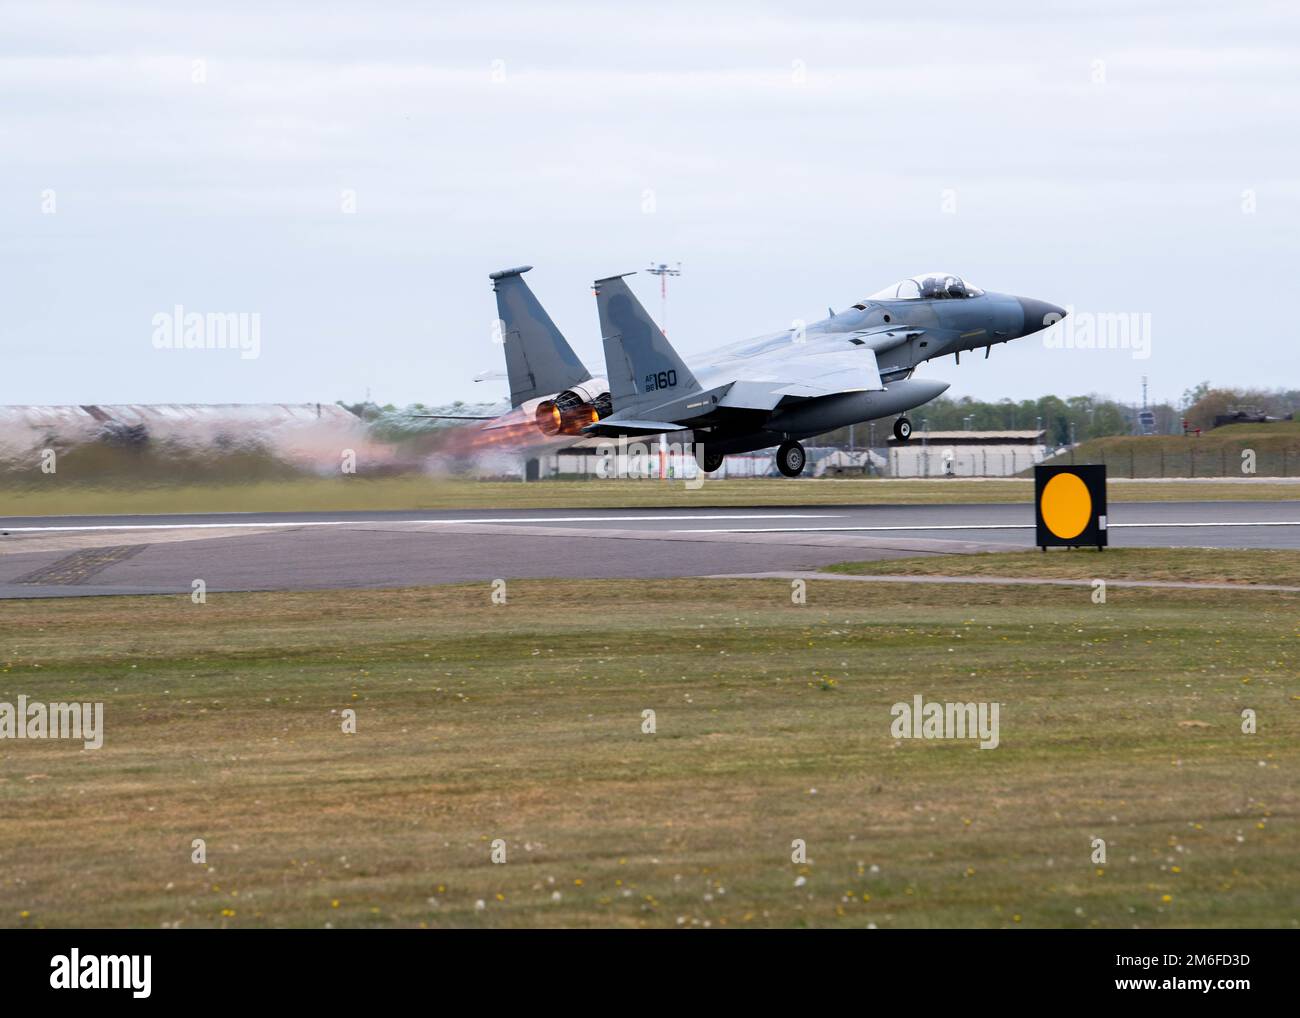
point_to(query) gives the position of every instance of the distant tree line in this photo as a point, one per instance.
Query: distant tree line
(1204, 403)
(1075, 418)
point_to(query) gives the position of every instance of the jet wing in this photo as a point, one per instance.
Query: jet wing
(805, 373)
(826, 373)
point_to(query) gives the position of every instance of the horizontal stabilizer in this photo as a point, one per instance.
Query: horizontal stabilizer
(451, 417)
(611, 426)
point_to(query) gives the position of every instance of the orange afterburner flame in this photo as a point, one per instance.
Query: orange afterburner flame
(513, 430)
(573, 420)
(518, 429)
(549, 418)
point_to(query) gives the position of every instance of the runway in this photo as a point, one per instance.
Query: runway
(96, 555)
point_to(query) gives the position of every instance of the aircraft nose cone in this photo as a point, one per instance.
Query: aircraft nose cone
(1038, 315)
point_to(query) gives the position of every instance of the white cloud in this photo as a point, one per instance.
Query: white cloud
(781, 196)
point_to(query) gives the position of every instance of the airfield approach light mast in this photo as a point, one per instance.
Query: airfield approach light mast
(1146, 418)
(663, 272)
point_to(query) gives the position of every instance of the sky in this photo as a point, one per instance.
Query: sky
(351, 173)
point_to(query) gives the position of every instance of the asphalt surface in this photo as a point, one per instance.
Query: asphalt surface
(89, 555)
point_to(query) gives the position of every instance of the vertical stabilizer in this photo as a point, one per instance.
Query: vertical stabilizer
(539, 360)
(641, 365)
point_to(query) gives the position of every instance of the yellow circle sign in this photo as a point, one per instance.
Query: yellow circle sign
(1066, 506)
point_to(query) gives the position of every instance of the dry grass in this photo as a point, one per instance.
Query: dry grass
(522, 722)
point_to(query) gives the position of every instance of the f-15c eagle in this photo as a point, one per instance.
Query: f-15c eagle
(849, 368)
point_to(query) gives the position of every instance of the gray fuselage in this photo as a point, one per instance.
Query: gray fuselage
(902, 333)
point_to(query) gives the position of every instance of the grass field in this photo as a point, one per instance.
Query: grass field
(522, 722)
(1203, 565)
(420, 492)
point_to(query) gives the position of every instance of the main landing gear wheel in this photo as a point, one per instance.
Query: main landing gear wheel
(790, 459)
(902, 429)
(708, 461)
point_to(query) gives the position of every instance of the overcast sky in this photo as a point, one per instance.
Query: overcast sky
(1111, 156)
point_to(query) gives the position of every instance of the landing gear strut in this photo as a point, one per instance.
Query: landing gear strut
(708, 460)
(790, 459)
(902, 429)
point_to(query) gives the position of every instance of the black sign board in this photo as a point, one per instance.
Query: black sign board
(1070, 506)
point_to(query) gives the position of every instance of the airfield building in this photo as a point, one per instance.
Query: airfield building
(966, 453)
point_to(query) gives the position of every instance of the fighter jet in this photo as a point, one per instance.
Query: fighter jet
(848, 368)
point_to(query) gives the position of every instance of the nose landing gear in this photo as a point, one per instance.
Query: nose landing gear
(790, 459)
(902, 429)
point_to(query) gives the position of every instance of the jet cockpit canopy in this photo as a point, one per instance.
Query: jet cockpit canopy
(931, 286)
